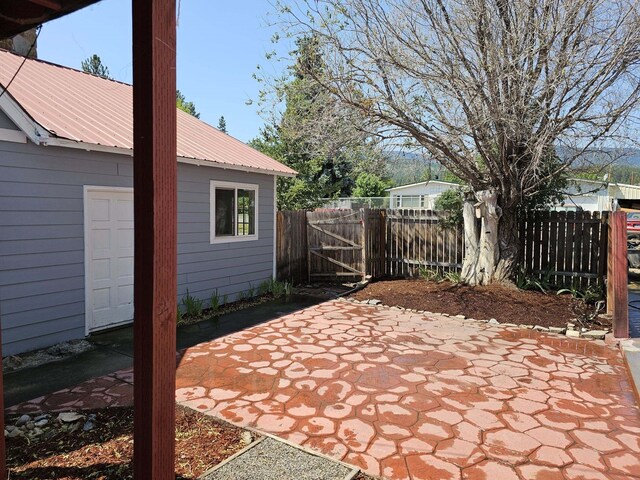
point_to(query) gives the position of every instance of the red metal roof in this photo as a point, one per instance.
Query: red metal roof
(77, 106)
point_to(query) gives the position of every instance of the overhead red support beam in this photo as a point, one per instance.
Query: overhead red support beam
(47, 3)
(155, 215)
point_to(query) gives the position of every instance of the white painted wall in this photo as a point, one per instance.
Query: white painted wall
(418, 195)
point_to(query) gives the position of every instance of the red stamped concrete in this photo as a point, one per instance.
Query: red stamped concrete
(412, 397)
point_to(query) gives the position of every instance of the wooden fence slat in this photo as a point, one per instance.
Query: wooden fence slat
(544, 261)
(528, 265)
(604, 248)
(569, 247)
(577, 246)
(553, 244)
(562, 233)
(585, 265)
(595, 244)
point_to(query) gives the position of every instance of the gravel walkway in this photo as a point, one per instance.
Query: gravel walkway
(272, 459)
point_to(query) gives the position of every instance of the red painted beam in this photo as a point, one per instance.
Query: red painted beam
(617, 275)
(155, 214)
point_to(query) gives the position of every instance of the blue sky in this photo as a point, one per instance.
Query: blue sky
(220, 44)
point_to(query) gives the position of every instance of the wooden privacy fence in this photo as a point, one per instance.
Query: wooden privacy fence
(417, 239)
(291, 246)
(356, 243)
(568, 249)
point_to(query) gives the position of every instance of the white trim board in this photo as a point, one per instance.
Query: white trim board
(15, 136)
(34, 131)
(213, 184)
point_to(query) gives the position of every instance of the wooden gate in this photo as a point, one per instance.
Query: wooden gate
(335, 242)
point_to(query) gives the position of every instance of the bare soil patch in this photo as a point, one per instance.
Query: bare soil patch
(106, 451)
(505, 304)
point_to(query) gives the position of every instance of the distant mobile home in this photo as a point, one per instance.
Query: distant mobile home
(66, 206)
(588, 195)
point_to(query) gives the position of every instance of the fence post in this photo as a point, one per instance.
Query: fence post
(382, 247)
(365, 242)
(617, 290)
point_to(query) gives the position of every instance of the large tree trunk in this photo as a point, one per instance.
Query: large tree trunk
(491, 248)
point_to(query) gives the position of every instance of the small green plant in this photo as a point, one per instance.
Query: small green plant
(192, 305)
(453, 276)
(430, 274)
(179, 316)
(277, 289)
(214, 301)
(524, 281)
(251, 292)
(587, 305)
(264, 287)
(591, 295)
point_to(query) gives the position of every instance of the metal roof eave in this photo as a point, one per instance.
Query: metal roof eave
(65, 143)
(41, 136)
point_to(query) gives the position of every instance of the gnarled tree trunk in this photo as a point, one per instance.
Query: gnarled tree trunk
(491, 240)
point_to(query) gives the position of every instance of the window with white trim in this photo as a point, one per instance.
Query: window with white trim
(234, 212)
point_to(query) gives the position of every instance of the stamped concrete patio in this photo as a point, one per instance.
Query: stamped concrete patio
(409, 396)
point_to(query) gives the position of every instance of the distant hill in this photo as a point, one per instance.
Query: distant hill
(631, 158)
(409, 167)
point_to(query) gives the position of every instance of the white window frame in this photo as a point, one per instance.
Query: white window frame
(212, 214)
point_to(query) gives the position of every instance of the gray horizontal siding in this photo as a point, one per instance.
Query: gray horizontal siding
(42, 246)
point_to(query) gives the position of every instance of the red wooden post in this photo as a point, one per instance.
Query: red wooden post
(3, 458)
(155, 213)
(617, 290)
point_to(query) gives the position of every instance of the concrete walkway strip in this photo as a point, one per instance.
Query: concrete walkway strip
(270, 458)
(631, 353)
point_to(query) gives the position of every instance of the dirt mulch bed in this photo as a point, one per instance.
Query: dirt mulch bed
(106, 451)
(505, 304)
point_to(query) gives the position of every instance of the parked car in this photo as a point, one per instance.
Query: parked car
(633, 222)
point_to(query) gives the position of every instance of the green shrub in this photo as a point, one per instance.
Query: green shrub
(264, 287)
(192, 305)
(453, 276)
(450, 203)
(430, 274)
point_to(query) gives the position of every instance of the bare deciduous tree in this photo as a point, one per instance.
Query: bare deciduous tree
(489, 87)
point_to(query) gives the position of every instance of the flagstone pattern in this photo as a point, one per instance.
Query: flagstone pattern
(409, 396)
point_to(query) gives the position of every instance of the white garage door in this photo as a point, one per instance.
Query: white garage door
(108, 257)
